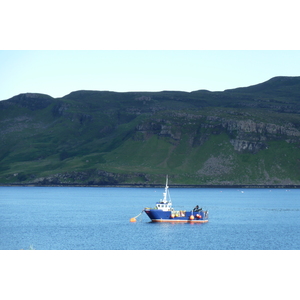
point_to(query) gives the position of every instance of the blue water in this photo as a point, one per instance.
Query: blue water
(69, 218)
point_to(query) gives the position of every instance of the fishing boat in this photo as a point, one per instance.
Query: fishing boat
(164, 211)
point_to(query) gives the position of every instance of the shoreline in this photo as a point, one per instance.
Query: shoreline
(244, 186)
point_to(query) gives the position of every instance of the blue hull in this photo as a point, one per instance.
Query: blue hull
(157, 215)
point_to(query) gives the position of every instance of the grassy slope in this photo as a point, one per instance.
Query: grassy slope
(43, 143)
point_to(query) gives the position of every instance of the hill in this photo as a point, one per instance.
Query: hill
(243, 136)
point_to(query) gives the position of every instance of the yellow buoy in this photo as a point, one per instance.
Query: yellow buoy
(192, 217)
(134, 218)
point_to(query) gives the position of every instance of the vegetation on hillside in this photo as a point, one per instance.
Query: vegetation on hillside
(245, 136)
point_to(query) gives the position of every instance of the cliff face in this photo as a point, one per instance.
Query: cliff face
(253, 136)
(246, 134)
(243, 136)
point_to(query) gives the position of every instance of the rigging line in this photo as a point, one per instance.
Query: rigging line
(139, 214)
(134, 218)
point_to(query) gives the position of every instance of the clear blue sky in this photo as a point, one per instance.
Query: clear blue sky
(153, 28)
(58, 73)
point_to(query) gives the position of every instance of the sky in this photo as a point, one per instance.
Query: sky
(59, 72)
(56, 47)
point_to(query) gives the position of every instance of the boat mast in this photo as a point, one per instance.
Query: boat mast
(166, 194)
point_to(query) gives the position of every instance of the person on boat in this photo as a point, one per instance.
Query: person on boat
(197, 208)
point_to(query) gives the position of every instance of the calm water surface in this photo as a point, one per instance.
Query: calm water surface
(59, 218)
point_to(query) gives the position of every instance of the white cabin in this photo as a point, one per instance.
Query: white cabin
(164, 206)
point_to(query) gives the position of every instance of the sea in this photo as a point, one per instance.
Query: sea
(98, 218)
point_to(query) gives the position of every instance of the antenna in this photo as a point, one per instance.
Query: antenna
(167, 182)
(167, 196)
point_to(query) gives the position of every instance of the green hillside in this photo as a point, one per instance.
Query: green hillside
(244, 136)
